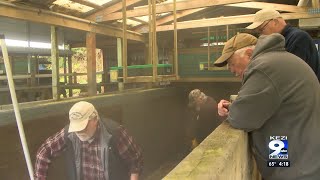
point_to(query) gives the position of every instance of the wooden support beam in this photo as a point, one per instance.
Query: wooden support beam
(150, 78)
(91, 63)
(262, 5)
(166, 19)
(124, 42)
(57, 19)
(303, 3)
(210, 79)
(119, 58)
(70, 77)
(105, 77)
(154, 43)
(108, 10)
(88, 3)
(208, 41)
(162, 8)
(139, 20)
(315, 4)
(65, 69)
(175, 39)
(229, 21)
(55, 63)
(150, 42)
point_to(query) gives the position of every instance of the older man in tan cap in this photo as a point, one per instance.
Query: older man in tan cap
(280, 96)
(95, 148)
(298, 42)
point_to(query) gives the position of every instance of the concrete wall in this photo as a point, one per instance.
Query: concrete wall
(223, 155)
(153, 117)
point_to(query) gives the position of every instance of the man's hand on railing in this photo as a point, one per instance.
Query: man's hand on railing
(223, 108)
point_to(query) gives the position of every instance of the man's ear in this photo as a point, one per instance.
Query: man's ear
(249, 52)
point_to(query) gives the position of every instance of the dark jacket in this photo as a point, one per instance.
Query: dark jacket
(116, 169)
(205, 121)
(300, 43)
(280, 96)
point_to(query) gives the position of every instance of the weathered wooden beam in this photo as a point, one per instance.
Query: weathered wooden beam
(154, 43)
(150, 78)
(210, 79)
(108, 10)
(162, 8)
(119, 59)
(55, 63)
(229, 21)
(315, 4)
(91, 63)
(166, 19)
(88, 3)
(57, 19)
(303, 3)
(70, 77)
(139, 20)
(262, 5)
(124, 42)
(175, 39)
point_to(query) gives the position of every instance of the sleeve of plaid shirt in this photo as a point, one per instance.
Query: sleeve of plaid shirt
(52, 147)
(129, 151)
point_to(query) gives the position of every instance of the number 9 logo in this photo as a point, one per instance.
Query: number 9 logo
(277, 149)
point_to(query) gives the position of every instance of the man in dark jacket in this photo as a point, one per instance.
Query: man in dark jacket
(204, 117)
(280, 96)
(298, 42)
(95, 148)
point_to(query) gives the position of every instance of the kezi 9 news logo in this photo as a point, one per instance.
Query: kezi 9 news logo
(278, 147)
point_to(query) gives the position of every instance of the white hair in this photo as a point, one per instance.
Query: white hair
(94, 115)
(241, 51)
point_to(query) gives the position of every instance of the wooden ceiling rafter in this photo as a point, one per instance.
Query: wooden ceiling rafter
(56, 19)
(168, 19)
(168, 7)
(230, 20)
(88, 3)
(262, 5)
(110, 9)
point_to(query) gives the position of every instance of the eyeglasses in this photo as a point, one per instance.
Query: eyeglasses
(261, 29)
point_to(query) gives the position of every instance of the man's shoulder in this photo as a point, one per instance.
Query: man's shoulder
(298, 34)
(111, 125)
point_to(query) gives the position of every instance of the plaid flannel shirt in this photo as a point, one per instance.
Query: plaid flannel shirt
(90, 163)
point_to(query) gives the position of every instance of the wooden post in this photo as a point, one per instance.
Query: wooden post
(315, 4)
(33, 71)
(227, 33)
(150, 58)
(65, 68)
(124, 41)
(105, 77)
(70, 76)
(154, 43)
(37, 68)
(175, 40)
(119, 57)
(208, 48)
(91, 63)
(55, 63)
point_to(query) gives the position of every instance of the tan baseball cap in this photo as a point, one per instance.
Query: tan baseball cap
(262, 16)
(79, 115)
(236, 42)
